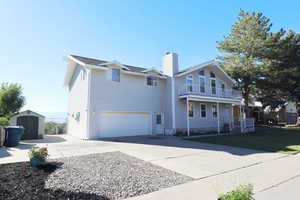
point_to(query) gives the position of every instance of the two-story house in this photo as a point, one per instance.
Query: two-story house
(111, 99)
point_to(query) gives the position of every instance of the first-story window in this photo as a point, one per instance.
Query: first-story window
(158, 119)
(191, 110)
(115, 75)
(203, 111)
(214, 111)
(152, 80)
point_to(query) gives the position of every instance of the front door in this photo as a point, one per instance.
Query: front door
(236, 115)
(159, 123)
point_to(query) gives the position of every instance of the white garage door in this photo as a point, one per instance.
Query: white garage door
(118, 124)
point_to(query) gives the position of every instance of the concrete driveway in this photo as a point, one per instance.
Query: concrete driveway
(215, 168)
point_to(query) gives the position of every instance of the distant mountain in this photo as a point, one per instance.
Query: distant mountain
(59, 117)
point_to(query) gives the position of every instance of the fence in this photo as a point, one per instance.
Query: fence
(247, 125)
(2, 136)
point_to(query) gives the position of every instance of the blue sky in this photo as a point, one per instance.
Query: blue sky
(35, 35)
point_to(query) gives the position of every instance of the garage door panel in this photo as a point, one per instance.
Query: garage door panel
(123, 124)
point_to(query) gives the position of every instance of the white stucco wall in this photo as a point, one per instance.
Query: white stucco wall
(77, 103)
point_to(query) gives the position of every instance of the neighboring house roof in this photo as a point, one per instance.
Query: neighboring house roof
(202, 65)
(28, 112)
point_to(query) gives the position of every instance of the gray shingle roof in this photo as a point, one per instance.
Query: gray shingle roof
(92, 61)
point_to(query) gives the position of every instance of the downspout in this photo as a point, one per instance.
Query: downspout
(187, 116)
(89, 117)
(218, 114)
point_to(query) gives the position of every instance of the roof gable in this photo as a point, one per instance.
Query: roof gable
(211, 63)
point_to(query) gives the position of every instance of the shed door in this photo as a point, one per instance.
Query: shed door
(31, 125)
(119, 124)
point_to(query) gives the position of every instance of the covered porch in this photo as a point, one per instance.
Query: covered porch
(212, 114)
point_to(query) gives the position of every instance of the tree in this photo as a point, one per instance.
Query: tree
(11, 99)
(240, 47)
(55, 128)
(282, 55)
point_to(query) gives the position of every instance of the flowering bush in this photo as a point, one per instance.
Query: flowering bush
(38, 153)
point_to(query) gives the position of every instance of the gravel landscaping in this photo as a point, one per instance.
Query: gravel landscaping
(112, 175)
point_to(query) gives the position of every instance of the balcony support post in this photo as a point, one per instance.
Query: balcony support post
(187, 116)
(241, 120)
(218, 114)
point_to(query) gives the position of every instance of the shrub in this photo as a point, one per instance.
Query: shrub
(55, 128)
(243, 192)
(38, 153)
(4, 121)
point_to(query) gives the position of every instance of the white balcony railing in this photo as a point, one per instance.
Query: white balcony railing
(209, 91)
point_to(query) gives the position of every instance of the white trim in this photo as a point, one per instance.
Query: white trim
(212, 99)
(76, 60)
(201, 111)
(96, 67)
(173, 103)
(152, 70)
(194, 68)
(141, 74)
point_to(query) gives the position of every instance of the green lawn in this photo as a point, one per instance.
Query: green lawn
(284, 140)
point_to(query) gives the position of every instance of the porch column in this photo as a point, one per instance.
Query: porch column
(218, 114)
(187, 116)
(232, 118)
(241, 119)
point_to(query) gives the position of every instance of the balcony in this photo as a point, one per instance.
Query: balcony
(209, 92)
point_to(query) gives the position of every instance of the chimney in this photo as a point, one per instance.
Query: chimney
(170, 64)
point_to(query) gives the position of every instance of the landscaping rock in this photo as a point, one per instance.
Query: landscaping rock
(112, 175)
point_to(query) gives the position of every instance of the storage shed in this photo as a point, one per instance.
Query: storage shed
(32, 122)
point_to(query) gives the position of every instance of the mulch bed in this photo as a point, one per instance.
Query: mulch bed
(112, 175)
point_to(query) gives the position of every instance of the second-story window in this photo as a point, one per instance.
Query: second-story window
(213, 83)
(202, 81)
(152, 80)
(213, 86)
(115, 75)
(189, 83)
(223, 88)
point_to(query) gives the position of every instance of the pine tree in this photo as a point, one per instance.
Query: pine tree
(240, 48)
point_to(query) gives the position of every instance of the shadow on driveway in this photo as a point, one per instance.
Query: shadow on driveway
(46, 139)
(172, 141)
